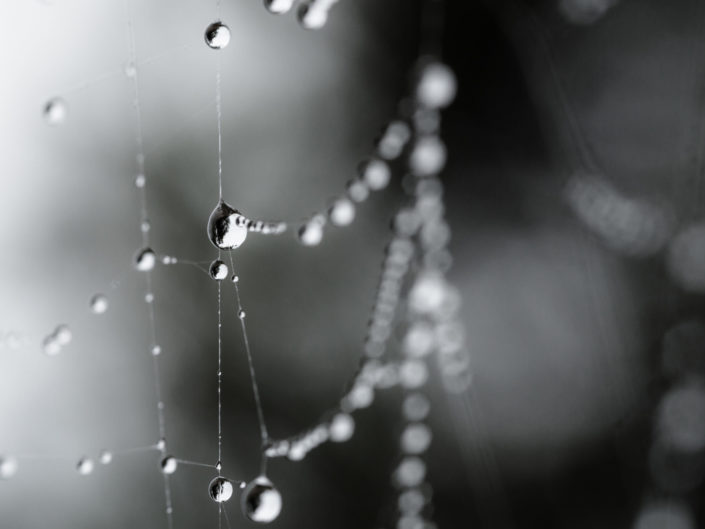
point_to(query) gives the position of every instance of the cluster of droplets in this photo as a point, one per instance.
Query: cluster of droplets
(312, 14)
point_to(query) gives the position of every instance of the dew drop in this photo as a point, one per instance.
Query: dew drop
(51, 346)
(219, 466)
(217, 35)
(311, 233)
(130, 69)
(416, 407)
(416, 438)
(227, 228)
(220, 489)
(413, 374)
(342, 427)
(63, 335)
(55, 111)
(85, 466)
(312, 17)
(161, 444)
(145, 260)
(278, 7)
(357, 190)
(99, 303)
(8, 467)
(156, 350)
(235, 279)
(410, 472)
(428, 156)
(437, 86)
(341, 212)
(411, 501)
(169, 465)
(375, 173)
(105, 457)
(260, 501)
(148, 297)
(145, 226)
(218, 270)
(140, 181)
(241, 314)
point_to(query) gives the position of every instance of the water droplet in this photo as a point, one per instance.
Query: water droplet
(311, 233)
(85, 466)
(416, 438)
(241, 314)
(8, 467)
(140, 181)
(357, 190)
(235, 279)
(261, 502)
(63, 335)
(411, 501)
(413, 374)
(436, 85)
(419, 340)
(156, 350)
(227, 228)
(393, 139)
(105, 457)
(311, 16)
(145, 260)
(219, 466)
(99, 303)
(416, 407)
(161, 444)
(341, 212)
(361, 396)
(50, 346)
(55, 111)
(410, 472)
(428, 156)
(278, 7)
(148, 297)
(130, 69)
(342, 427)
(661, 515)
(145, 226)
(375, 173)
(584, 11)
(217, 35)
(169, 465)
(218, 270)
(220, 489)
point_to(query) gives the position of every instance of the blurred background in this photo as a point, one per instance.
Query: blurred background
(574, 190)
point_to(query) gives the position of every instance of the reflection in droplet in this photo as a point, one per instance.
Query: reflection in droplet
(217, 35)
(220, 489)
(145, 260)
(261, 502)
(227, 228)
(99, 303)
(218, 270)
(169, 464)
(55, 111)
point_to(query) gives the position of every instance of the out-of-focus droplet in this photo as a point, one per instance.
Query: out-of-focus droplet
(312, 17)
(85, 466)
(683, 346)
(220, 489)
(428, 156)
(311, 233)
(436, 85)
(375, 173)
(416, 438)
(51, 346)
(361, 396)
(227, 228)
(278, 7)
(357, 190)
(419, 340)
(156, 350)
(261, 502)
(99, 303)
(413, 374)
(584, 12)
(140, 181)
(8, 467)
(130, 69)
(217, 35)
(411, 501)
(149, 297)
(55, 111)
(105, 457)
(219, 466)
(393, 140)
(218, 270)
(145, 260)
(665, 515)
(680, 417)
(428, 294)
(341, 212)
(342, 427)
(686, 258)
(169, 464)
(410, 473)
(63, 334)
(145, 226)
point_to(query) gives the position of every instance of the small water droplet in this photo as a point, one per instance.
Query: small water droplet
(357, 190)
(55, 111)
(85, 466)
(341, 212)
(145, 260)
(169, 465)
(217, 35)
(241, 314)
(261, 502)
(105, 457)
(278, 7)
(219, 466)
(145, 226)
(220, 489)
(161, 444)
(227, 228)
(140, 181)
(375, 173)
(428, 156)
(342, 427)
(436, 85)
(311, 16)
(63, 334)
(50, 346)
(8, 467)
(218, 270)
(311, 233)
(235, 279)
(99, 303)
(149, 297)
(130, 69)
(156, 350)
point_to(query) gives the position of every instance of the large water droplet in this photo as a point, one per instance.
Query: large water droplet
(218, 270)
(99, 303)
(55, 111)
(227, 228)
(145, 260)
(220, 489)
(261, 502)
(217, 35)
(169, 464)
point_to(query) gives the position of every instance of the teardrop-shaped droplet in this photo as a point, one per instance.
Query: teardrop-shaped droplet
(218, 270)
(260, 501)
(220, 489)
(55, 111)
(217, 35)
(227, 228)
